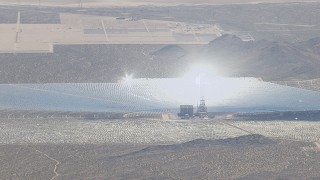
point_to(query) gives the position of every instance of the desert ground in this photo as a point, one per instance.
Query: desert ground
(71, 148)
(147, 130)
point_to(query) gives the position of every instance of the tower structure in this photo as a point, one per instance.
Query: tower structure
(202, 110)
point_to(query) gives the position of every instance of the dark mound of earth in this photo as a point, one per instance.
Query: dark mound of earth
(171, 51)
(247, 140)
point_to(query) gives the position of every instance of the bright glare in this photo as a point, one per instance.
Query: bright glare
(127, 78)
(201, 73)
(202, 69)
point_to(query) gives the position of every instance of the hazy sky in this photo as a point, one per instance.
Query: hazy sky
(89, 3)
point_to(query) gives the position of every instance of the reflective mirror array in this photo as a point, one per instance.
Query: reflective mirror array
(221, 94)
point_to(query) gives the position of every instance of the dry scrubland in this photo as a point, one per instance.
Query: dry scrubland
(158, 162)
(91, 63)
(73, 149)
(312, 84)
(69, 148)
(138, 131)
(147, 131)
(45, 145)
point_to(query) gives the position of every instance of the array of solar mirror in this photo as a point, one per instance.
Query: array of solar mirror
(221, 94)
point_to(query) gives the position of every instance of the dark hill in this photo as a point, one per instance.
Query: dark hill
(247, 140)
(170, 51)
(270, 60)
(266, 59)
(312, 45)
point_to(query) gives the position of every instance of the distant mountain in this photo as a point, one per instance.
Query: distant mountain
(266, 59)
(270, 60)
